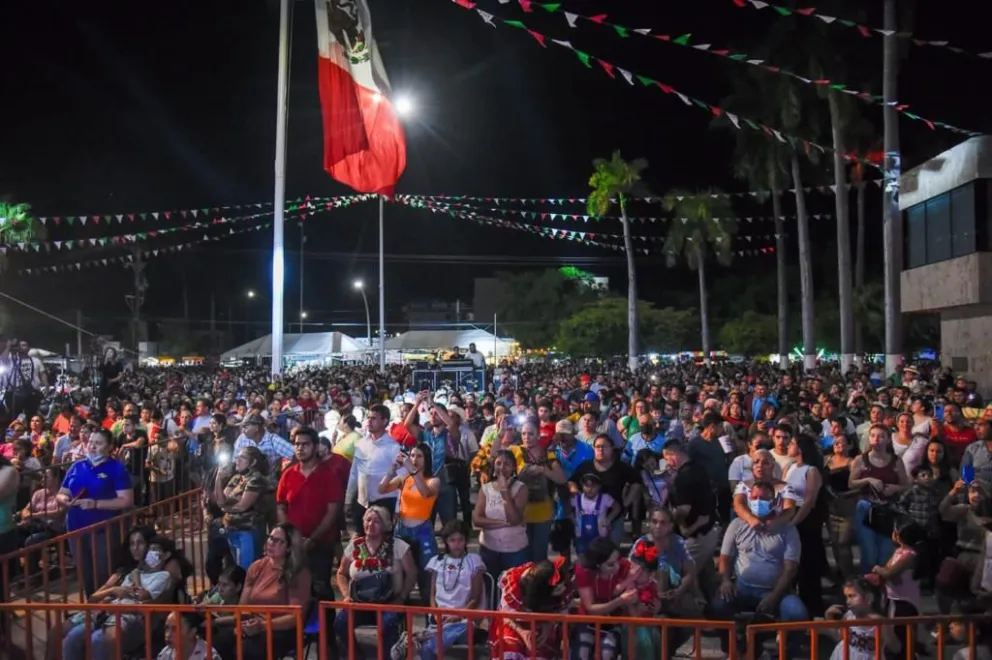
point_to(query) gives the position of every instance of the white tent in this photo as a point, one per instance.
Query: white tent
(427, 340)
(308, 345)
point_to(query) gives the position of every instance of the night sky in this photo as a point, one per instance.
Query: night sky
(121, 107)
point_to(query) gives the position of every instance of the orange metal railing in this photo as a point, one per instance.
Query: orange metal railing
(56, 580)
(152, 622)
(841, 632)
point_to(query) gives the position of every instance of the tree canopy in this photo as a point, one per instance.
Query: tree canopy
(534, 303)
(600, 328)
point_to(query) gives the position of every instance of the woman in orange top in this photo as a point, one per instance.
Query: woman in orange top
(418, 491)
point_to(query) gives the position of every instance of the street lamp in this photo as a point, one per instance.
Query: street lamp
(303, 316)
(358, 284)
(251, 294)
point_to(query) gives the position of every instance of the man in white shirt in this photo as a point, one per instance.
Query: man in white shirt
(375, 454)
(478, 359)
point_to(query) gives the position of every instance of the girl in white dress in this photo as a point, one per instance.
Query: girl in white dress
(862, 603)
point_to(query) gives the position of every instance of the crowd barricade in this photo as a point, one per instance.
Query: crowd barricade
(812, 630)
(57, 577)
(46, 644)
(671, 631)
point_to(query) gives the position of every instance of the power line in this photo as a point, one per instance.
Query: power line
(451, 259)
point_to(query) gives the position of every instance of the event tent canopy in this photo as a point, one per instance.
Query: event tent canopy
(317, 344)
(427, 340)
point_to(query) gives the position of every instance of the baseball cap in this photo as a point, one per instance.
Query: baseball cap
(591, 396)
(253, 419)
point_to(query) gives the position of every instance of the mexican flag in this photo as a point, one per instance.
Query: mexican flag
(364, 147)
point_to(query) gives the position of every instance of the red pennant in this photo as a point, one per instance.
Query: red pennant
(723, 53)
(130, 216)
(808, 11)
(465, 3)
(865, 32)
(929, 123)
(168, 215)
(663, 37)
(607, 67)
(58, 220)
(821, 81)
(716, 111)
(900, 108)
(740, 3)
(526, 5)
(776, 69)
(665, 88)
(95, 218)
(538, 36)
(599, 18)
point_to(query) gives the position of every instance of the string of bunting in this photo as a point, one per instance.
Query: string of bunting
(612, 70)
(685, 41)
(585, 238)
(863, 30)
(563, 201)
(119, 218)
(302, 212)
(414, 200)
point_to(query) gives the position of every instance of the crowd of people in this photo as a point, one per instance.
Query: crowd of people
(679, 491)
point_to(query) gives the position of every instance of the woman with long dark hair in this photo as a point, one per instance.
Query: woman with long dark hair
(542, 587)
(499, 515)
(804, 476)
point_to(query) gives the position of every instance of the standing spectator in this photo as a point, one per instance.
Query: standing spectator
(374, 457)
(620, 480)
(95, 491)
(499, 515)
(71, 439)
(274, 447)
(111, 373)
(242, 499)
(310, 496)
(9, 539)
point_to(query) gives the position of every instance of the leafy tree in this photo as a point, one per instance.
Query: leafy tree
(700, 224)
(751, 334)
(600, 328)
(533, 303)
(611, 180)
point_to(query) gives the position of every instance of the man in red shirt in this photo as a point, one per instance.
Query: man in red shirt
(955, 432)
(311, 496)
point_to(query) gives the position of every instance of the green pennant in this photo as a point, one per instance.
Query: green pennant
(647, 82)
(622, 31)
(71, 220)
(702, 105)
(516, 24)
(143, 216)
(106, 218)
(583, 57)
(750, 123)
(551, 6)
(846, 22)
(683, 40)
(740, 57)
(783, 11)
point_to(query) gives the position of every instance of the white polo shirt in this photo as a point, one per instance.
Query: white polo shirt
(373, 459)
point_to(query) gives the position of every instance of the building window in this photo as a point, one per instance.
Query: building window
(942, 228)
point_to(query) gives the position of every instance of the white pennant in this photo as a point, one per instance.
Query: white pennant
(571, 18)
(733, 119)
(627, 75)
(486, 16)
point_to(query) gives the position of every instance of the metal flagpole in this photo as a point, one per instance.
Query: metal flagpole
(279, 202)
(382, 287)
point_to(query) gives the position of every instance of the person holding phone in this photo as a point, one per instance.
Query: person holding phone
(499, 515)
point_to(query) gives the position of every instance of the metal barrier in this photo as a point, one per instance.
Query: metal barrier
(842, 630)
(93, 617)
(671, 631)
(183, 511)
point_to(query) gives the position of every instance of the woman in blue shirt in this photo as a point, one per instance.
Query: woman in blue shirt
(94, 491)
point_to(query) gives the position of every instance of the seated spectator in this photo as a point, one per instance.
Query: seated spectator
(281, 577)
(375, 568)
(456, 583)
(677, 580)
(44, 516)
(543, 587)
(149, 582)
(227, 591)
(759, 566)
(955, 576)
(183, 641)
(862, 603)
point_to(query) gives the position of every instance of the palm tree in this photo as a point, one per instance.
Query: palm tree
(17, 226)
(699, 223)
(891, 238)
(614, 179)
(840, 116)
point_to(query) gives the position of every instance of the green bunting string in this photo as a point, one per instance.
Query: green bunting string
(586, 238)
(686, 41)
(863, 30)
(581, 217)
(140, 216)
(611, 70)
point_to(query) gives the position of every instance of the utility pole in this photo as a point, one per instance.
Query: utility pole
(135, 302)
(79, 333)
(279, 201)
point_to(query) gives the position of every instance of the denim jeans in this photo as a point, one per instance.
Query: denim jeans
(388, 634)
(746, 599)
(875, 549)
(102, 643)
(90, 551)
(539, 535)
(424, 544)
(497, 562)
(242, 547)
(451, 634)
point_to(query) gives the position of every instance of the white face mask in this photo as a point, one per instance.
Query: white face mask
(152, 558)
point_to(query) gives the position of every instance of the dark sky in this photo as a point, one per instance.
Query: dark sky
(120, 107)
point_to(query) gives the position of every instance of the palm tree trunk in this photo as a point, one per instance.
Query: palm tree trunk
(805, 270)
(628, 244)
(859, 274)
(704, 312)
(891, 230)
(845, 293)
(783, 284)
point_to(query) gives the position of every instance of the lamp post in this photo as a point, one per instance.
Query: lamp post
(360, 286)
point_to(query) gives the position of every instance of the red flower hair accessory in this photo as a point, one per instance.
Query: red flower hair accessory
(646, 553)
(558, 574)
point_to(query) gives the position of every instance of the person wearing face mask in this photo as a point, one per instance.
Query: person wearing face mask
(94, 491)
(149, 582)
(758, 567)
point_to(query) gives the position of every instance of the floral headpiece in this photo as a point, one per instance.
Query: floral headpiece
(645, 553)
(559, 573)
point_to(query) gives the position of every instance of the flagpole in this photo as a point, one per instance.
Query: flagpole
(382, 287)
(279, 202)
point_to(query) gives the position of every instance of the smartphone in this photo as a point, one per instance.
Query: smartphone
(938, 412)
(968, 474)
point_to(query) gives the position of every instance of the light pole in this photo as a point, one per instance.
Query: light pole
(249, 295)
(360, 286)
(279, 198)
